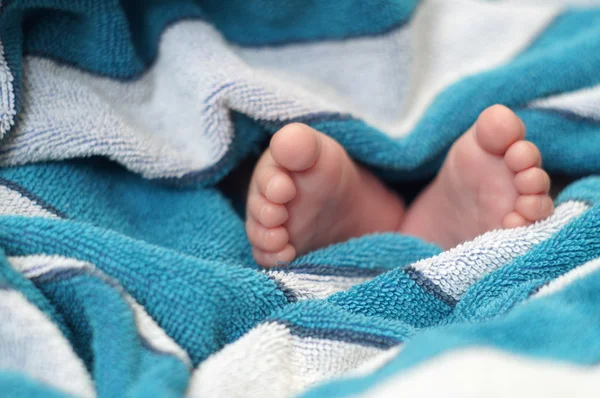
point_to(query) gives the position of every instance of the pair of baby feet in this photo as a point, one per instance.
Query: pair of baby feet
(307, 193)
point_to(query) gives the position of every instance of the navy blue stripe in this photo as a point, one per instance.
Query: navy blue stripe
(289, 294)
(29, 195)
(332, 270)
(59, 274)
(309, 118)
(347, 336)
(37, 267)
(217, 91)
(428, 286)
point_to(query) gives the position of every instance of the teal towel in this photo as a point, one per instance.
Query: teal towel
(125, 268)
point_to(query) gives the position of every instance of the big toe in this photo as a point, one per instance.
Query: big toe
(497, 128)
(296, 147)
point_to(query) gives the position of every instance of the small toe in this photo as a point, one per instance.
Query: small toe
(275, 185)
(534, 207)
(497, 128)
(266, 213)
(296, 147)
(514, 220)
(267, 239)
(267, 259)
(532, 181)
(522, 155)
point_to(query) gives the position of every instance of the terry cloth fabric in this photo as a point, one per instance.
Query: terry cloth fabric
(125, 269)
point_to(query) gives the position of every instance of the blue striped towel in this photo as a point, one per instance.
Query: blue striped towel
(125, 269)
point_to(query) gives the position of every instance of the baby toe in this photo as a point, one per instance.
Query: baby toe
(266, 213)
(267, 239)
(514, 220)
(267, 259)
(532, 181)
(522, 155)
(497, 128)
(296, 147)
(534, 207)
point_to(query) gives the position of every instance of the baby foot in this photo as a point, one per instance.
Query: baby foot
(307, 193)
(490, 179)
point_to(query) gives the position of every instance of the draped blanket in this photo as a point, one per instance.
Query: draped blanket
(124, 265)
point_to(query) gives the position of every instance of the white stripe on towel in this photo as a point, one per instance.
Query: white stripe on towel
(288, 364)
(485, 372)
(391, 80)
(455, 270)
(173, 120)
(309, 286)
(7, 95)
(584, 103)
(13, 203)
